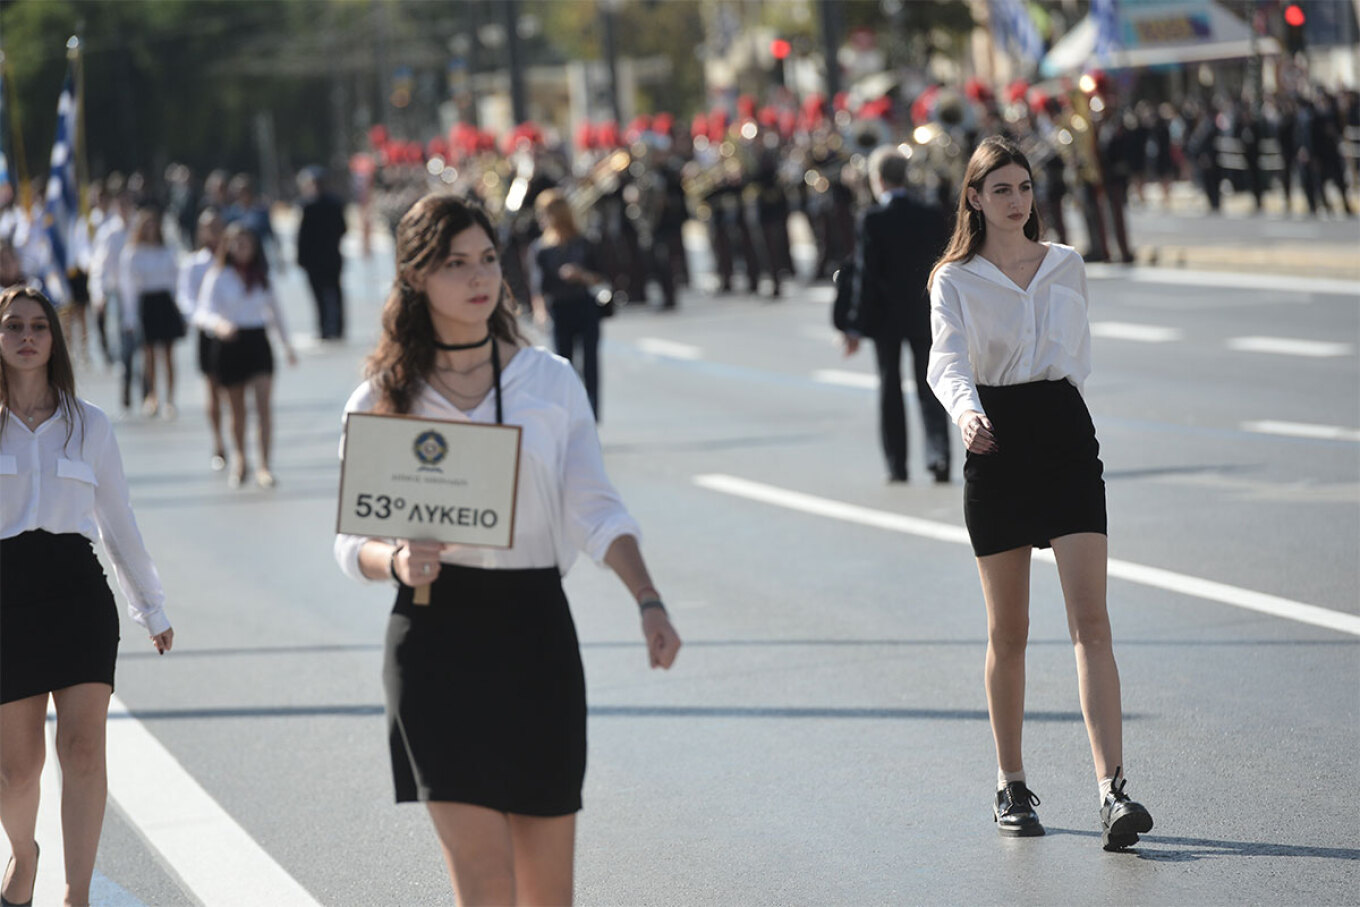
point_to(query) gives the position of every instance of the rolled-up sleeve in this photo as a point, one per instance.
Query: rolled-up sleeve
(594, 513)
(950, 373)
(132, 565)
(346, 547)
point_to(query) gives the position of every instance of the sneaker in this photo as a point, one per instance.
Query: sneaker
(1014, 811)
(265, 478)
(1122, 820)
(169, 413)
(218, 462)
(149, 408)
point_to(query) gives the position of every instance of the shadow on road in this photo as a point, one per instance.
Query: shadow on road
(1190, 849)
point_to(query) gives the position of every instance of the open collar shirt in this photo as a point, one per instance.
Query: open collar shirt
(78, 486)
(987, 330)
(565, 504)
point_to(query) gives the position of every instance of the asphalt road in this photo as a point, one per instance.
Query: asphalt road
(823, 737)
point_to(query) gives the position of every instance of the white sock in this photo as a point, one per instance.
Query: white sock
(1004, 778)
(1105, 785)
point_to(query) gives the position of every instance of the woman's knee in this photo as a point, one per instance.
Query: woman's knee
(21, 769)
(1009, 637)
(80, 752)
(1090, 628)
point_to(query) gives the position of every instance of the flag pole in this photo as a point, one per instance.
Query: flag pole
(16, 137)
(74, 52)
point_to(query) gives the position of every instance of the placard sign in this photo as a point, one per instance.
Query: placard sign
(409, 478)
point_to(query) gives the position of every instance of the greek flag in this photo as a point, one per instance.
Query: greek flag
(5, 178)
(62, 203)
(1105, 14)
(1013, 28)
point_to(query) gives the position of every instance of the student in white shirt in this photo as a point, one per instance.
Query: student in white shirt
(236, 305)
(1011, 349)
(485, 690)
(149, 272)
(61, 489)
(188, 295)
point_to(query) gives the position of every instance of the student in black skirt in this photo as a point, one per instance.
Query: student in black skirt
(191, 275)
(485, 690)
(1011, 350)
(237, 306)
(149, 272)
(61, 489)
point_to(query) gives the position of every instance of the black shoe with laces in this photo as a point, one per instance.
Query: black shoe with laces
(1014, 811)
(1122, 820)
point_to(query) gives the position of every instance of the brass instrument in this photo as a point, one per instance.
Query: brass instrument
(700, 181)
(602, 179)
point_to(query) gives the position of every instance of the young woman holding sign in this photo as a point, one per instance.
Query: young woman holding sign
(485, 690)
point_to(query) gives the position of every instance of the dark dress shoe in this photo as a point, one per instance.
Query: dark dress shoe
(1014, 811)
(1122, 820)
(941, 473)
(6, 902)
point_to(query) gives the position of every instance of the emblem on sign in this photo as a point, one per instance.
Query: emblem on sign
(431, 448)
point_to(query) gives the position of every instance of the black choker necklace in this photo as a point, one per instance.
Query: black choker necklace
(451, 347)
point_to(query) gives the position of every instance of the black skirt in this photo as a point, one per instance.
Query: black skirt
(245, 356)
(207, 353)
(161, 318)
(1045, 481)
(486, 696)
(58, 620)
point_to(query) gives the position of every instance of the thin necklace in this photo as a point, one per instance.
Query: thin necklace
(451, 347)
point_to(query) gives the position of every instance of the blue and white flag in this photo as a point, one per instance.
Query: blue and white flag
(1105, 14)
(62, 204)
(1013, 28)
(5, 178)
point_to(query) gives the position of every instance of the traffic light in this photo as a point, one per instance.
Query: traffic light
(1294, 19)
(779, 49)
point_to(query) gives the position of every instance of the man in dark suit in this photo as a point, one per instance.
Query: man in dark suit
(318, 252)
(899, 241)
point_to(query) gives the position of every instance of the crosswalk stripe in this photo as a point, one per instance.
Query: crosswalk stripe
(1302, 430)
(1143, 333)
(669, 348)
(1287, 346)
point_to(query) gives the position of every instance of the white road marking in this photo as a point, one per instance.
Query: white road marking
(1302, 430)
(1143, 333)
(210, 854)
(945, 532)
(1286, 346)
(1229, 280)
(861, 380)
(669, 348)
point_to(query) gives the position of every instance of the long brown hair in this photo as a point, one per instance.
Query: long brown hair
(406, 351)
(561, 226)
(61, 377)
(970, 229)
(255, 274)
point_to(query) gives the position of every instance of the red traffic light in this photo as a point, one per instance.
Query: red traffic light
(1293, 14)
(779, 48)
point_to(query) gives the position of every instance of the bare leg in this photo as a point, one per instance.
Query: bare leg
(545, 849)
(168, 350)
(478, 851)
(264, 414)
(1005, 587)
(23, 746)
(149, 379)
(82, 714)
(214, 404)
(236, 402)
(1081, 567)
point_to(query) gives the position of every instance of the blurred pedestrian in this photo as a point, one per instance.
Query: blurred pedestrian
(900, 238)
(565, 272)
(188, 294)
(1011, 352)
(149, 273)
(11, 269)
(320, 231)
(501, 771)
(237, 305)
(61, 489)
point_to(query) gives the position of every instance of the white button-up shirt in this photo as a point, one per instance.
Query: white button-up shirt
(988, 331)
(60, 486)
(224, 300)
(191, 275)
(566, 504)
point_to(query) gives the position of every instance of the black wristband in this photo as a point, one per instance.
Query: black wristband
(392, 563)
(651, 603)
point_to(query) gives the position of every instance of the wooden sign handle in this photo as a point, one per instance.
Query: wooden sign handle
(421, 596)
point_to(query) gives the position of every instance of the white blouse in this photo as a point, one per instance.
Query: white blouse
(565, 504)
(51, 484)
(191, 275)
(987, 330)
(224, 299)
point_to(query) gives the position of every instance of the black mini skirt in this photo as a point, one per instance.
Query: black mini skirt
(1046, 479)
(245, 356)
(58, 619)
(486, 696)
(161, 318)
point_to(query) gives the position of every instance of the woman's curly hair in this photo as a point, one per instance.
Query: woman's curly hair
(406, 350)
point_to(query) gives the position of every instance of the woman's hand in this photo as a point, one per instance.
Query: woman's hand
(292, 356)
(163, 641)
(224, 330)
(417, 563)
(572, 273)
(663, 643)
(977, 433)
